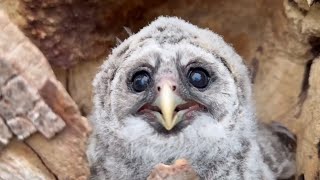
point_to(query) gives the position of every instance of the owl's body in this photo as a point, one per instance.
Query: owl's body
(212, 125)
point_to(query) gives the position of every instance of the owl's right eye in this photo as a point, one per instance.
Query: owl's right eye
(140, 81)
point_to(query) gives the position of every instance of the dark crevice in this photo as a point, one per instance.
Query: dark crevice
(305, 83)
(315, 50)
(295, 4)
(301, 177)
(254, 69)
(83, 111)
(44, 164)
(315, 45)
(68, 81)
(314, 2)
(318, 176)
(304, 87)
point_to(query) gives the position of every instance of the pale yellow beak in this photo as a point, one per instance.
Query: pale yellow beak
(167, 101)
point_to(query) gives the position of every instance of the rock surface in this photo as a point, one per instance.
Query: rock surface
(31, 99)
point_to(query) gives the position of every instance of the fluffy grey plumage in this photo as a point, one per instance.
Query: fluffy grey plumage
(217, 130)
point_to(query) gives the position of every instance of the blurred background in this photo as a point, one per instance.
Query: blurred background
(55, 48)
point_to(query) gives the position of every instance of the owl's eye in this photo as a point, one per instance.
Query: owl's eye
(140, 81)
(198, 77)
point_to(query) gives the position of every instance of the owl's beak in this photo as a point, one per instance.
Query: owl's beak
(167, 101)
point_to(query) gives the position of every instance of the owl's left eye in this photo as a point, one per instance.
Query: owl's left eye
(198, 77)
(140, 81)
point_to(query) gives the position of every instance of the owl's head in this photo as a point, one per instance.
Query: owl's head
(169, 74)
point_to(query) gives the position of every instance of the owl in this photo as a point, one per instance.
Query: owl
(174, 90)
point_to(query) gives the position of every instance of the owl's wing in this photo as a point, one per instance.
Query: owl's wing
(278, 147)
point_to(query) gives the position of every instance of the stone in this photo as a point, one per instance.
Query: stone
(19, 97)
(20, 162)
(5, 134)
(21, 127)
(28, 104)
(6, 73)
(47, 122)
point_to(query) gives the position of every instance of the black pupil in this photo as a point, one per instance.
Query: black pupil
(198, 78)
(141, 81)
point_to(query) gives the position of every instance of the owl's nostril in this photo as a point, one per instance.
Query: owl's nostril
(173, 87)
(166, 82)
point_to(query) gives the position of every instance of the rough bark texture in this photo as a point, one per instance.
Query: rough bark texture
(31, 100)
(279, 39)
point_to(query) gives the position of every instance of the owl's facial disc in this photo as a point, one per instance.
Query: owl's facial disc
(169, 108)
